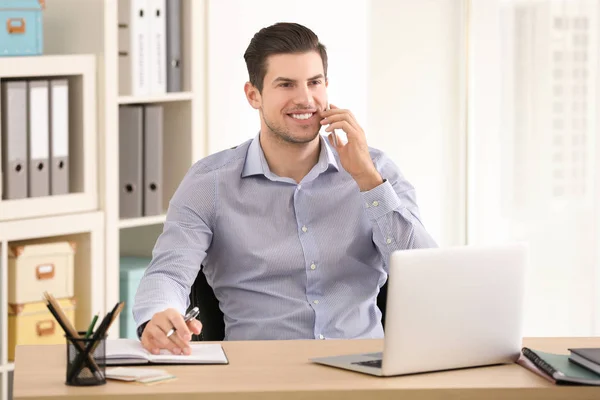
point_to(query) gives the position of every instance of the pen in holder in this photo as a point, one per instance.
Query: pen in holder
(86, 359)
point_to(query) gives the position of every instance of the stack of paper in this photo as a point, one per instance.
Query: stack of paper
(140, 375)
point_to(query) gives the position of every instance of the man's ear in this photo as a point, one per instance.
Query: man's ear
(326, 82)
(252, 95)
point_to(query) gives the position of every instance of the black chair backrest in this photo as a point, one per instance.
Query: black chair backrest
(211, 316)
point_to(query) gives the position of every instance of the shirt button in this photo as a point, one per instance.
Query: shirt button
(388, 241)
(304, 229)
(321, 336)
(375, 203)
(298, 187)
(313, 266)
(316, 301)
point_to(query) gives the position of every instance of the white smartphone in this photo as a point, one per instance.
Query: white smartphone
(335, 142)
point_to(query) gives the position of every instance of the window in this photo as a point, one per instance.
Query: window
(534, 157)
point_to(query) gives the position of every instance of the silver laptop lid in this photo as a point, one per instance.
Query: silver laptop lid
(454, 307)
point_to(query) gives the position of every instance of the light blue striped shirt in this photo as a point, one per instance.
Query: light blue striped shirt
(285, 260)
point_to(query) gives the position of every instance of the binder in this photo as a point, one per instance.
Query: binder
(59, 136)
(134, 47)
(153, 160)
(158, 46)
(39, 139)
(173, 17)
(14, 140)
(130, 161)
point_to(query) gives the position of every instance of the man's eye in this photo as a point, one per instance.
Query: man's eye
(315, 82)
(287, 84)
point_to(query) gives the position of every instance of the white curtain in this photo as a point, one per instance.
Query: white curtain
(534, 151)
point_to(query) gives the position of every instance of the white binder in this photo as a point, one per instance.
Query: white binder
(134, 47)
(59, 136)
(157, 28)
(39, 139)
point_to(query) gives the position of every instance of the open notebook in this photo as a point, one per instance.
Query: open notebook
(131, 351)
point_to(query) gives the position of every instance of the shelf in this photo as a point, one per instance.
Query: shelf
(143, 221)
(86, 230)
(47, 65)
(7, 367)
(156, 98)
(80, 73)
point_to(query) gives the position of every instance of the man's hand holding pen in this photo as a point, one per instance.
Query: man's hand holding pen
(154, 337)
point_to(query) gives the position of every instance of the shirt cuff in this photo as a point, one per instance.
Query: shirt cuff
(381, 200)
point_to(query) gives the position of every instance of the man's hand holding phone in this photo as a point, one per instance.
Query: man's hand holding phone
(154, 337)
(354, 155)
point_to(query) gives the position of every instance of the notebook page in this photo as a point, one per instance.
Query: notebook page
(201, 353)
(125, 348)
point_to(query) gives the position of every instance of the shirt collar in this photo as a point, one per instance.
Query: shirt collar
(256, 163)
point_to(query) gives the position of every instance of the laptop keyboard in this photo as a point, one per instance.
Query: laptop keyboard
(370, 363)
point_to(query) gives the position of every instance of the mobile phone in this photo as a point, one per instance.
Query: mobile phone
(335, 142)
(193, 313)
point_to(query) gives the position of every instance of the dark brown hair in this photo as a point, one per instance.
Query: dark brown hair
(280, 38)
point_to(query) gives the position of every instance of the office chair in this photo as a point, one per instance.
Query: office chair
(211, 316)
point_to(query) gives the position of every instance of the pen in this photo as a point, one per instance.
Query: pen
(91, 327)
(193, 313)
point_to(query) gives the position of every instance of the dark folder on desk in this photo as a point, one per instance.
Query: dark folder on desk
(557, 368)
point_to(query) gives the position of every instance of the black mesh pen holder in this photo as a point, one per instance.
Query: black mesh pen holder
(85, 361)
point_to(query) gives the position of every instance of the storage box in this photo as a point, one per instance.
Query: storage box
(35, 267)
(21, 29)
(131, 271)
(33, 323)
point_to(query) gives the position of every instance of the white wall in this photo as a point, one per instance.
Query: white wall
(340, 24)
(414, 103)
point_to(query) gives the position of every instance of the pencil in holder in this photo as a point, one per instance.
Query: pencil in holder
(86, 359)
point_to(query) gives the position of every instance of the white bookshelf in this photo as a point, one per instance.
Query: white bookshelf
(80, 70)
(90, 27)
(159, 98)
(87, 231)
(143, 221)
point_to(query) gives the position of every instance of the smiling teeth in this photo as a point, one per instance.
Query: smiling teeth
(301, 116)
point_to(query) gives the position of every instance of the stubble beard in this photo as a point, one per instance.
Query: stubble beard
(285, 135)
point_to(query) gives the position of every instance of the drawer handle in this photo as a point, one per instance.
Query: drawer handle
(45, 328)
(44, 271)
(15, 25)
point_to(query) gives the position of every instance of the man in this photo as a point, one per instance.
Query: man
(294, 231)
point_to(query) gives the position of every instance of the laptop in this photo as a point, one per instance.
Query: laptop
(448, 308)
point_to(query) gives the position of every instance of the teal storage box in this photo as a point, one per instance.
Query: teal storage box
(131, 271)
(21, 29)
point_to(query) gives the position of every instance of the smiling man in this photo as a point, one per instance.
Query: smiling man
(294, 231)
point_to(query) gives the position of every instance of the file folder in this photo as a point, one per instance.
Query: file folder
(39, 139)
(158, 46)
(14, 140)
(173, 18)
(134, 47)
(59, 136)
(131, 122)
(153, 160)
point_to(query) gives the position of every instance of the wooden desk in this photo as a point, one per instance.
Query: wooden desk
(280, 369)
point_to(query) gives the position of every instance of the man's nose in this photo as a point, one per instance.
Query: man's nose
(304, 96)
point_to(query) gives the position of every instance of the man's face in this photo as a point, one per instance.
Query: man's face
(294, 91)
